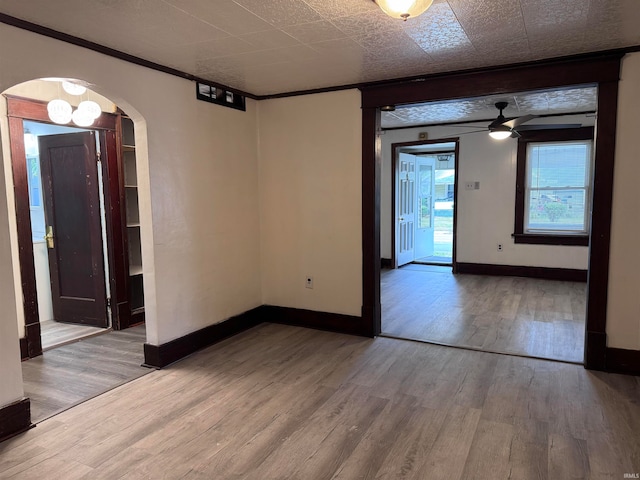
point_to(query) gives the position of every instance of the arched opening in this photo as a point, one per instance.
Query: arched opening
(77, 231)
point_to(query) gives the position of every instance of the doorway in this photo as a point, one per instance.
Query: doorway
(424, 202)
(112, 265)
(68, 231)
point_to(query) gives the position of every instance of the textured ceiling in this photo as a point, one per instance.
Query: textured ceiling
(543, 102)
(275, 46)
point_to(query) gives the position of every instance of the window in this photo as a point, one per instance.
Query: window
(553, 191)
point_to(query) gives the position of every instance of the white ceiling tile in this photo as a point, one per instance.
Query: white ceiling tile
(269, 39)
(373, 22)
(319, 31)
(340, 8)
(281, 13)
(439, 31)
(224, 14)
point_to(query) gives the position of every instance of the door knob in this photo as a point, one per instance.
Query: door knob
(49, 237)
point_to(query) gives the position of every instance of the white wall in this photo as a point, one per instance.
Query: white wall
(198, 186)
(310, 201)
(485, 216)
(623, 306)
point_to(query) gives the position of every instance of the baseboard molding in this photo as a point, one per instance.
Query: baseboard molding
(333, 322)
(159, 356)
(24, 349)
(565, 274)
(623, 361)
(15, 418)
(595, 348)
(385, 263)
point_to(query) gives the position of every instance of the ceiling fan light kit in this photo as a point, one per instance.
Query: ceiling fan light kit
(403, 9)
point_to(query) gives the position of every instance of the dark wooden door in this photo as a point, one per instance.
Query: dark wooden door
(72, 212)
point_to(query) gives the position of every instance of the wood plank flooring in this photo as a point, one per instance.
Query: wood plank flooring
(523, 316)
(281, 402)
(67, 375)
(54, 334)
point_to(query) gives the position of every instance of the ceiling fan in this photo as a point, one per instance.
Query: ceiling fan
(502, 127)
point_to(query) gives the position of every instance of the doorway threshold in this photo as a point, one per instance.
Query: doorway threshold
(56, 334)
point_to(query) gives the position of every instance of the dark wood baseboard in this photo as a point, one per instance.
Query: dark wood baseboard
(333, 322)
(159, 356)
(595, 347)
(623, 361)
(565, 274)
(24, 349)
(15, 418)
(385, 263)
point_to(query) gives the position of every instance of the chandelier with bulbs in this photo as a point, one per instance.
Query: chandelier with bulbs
(403, 9)
(61, 112)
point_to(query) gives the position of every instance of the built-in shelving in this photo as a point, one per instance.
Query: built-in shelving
(136, 288)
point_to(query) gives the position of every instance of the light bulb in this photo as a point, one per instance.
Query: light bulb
(73, 88)
(59, 111)
(82, 119)
(90, 108)
(404, 9)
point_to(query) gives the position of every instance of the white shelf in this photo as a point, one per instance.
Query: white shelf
(135, 270)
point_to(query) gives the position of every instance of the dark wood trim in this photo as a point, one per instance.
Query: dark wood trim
(332, 322)
(454, 246)
(25, 243)
(602, 202)
(36, 111)
(535, 239)
(24, 349)
(160, 356)
(18, 110)
(15, 418)
(386, 263)
(563, 274)
(395, 147)
(595, 349)
(602, 69)
(551, 73)
(371, 168)
(111, 52)
(623, 361)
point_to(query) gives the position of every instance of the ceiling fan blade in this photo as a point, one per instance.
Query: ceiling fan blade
(518, 121)
(549, 126)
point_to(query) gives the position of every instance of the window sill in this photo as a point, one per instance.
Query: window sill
(544, 239)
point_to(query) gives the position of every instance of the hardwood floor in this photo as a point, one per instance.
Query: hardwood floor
(55, 334)
(280, 402)
(523, 316)
(67, 375)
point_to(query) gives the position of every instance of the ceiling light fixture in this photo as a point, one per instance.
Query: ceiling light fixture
(500, 133)
(61, 112)
(403, 9)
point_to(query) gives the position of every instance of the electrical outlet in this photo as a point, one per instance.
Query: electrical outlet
(470, 186)
(308, 283)
(499, 247)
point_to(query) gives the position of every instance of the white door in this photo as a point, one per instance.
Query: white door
(405, 207)
(426, 187)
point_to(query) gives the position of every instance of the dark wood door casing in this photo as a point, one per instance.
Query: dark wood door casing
(600, 69)
(18, 110)
(69, 166)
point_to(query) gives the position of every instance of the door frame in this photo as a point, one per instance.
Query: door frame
(599, 69)
(106, 127)
(395, 150)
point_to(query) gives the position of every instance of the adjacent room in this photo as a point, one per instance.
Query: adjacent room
(516, 282)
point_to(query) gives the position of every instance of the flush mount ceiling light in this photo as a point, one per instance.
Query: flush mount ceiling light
(403, 9)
